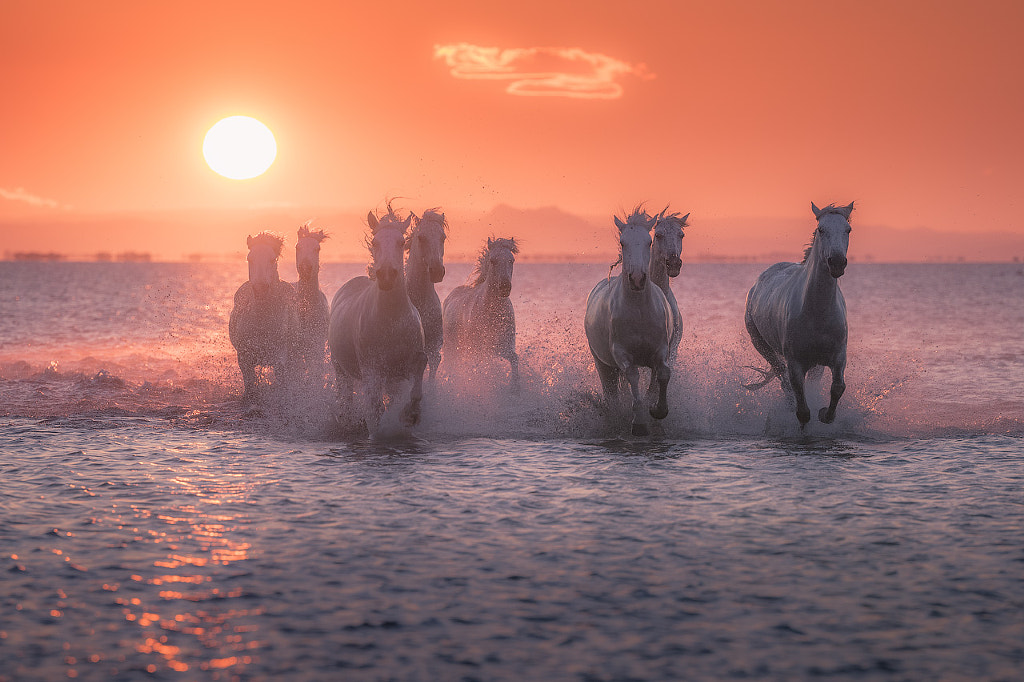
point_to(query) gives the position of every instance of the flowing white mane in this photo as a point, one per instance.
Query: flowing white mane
(318, 235)
(274, 241)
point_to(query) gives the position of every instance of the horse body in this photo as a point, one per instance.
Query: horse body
(796, 313)
(479, 319)
(264, 317)
(423, 269)
(375, 336)
(311, 302)
(629, 324)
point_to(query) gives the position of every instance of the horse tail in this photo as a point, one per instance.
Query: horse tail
(768, 376)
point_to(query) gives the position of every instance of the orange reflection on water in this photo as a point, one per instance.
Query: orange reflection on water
(176, 628)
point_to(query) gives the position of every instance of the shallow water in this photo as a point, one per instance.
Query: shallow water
(153, 528)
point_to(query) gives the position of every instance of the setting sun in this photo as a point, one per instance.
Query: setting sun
(239, 147)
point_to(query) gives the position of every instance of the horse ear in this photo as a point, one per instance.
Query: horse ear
(685, 217)
(846, 211)
(619, 224)
(490, 242)
(248, 241)
(817, 211)
(372, 220)
(405, 223)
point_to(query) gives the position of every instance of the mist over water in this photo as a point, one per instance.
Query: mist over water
(150, 526)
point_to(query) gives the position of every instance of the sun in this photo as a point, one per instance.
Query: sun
(239, 147)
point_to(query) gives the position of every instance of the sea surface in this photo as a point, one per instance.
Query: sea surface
(153, 527)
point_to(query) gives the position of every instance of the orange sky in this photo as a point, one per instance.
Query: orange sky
(729, 110)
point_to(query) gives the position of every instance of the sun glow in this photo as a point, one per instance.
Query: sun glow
(239, 147)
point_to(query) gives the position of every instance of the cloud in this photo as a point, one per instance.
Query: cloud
(19, 194)
(542, 71)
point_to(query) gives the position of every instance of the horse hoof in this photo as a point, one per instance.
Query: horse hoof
(411, 416)
(824, 417)
(640, 429)
(659, 413)
(803, 417)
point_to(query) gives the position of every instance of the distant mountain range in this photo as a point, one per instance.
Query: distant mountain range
(545, 234)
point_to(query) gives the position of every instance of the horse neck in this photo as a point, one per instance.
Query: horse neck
(310, 282)
(417, 276)
(658, 271)
(820, 287)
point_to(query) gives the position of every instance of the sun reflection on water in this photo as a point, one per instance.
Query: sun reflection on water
(188, 613)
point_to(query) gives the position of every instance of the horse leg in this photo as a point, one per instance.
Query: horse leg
(411, 413)
(248, 367)
(513, 362)
(828, 415)
(374, 394)
(639, 423)
(796, 380)
(663, 373)
(434, 360)
(609, 381)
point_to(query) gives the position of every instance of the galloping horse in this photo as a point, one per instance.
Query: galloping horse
(312, 304)
(423, 269)
(264, 316)
(666, 261)
(796, 314)
(479, 319)
(375, 335)
(629, 323)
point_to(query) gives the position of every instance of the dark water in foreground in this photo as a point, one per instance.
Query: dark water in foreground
(152, 529)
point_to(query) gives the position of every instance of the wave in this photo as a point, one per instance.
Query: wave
(560, 399)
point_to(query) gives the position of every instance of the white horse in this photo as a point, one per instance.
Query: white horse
(264, 316)
(666, 262)
(423, 269)
(479, 319)
(312, 305)
(629, 323)
(375, 335)
(796, 314)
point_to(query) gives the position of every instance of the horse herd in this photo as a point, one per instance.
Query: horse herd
(382, 331)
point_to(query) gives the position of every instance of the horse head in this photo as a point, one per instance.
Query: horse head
(264, 250)
(387, 248)
(832, 237)
(635, 247)
(496, 263)
(307, 252)
(426, 242)
(668, 240)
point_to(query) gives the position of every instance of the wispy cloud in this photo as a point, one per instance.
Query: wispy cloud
(542, 71)
(19, 194)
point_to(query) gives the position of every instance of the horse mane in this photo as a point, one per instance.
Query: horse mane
(675, 216)
(483, 261)
(831, 208)
(638, 216)
(318, 235)
(434, 215)
(274, 241)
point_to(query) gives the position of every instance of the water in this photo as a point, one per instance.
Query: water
(153, 528)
